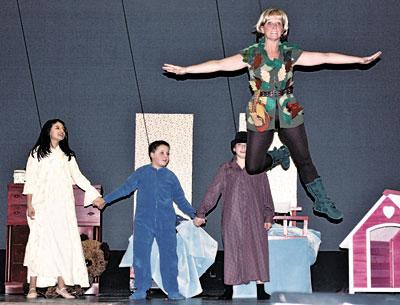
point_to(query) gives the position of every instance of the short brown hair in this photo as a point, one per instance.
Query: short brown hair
(154, 145)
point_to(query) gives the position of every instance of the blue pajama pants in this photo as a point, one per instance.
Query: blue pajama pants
(165, 236)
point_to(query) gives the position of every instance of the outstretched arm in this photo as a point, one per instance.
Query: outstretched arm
(318, 58)
(180, 199)
(214, 191)
(90, 192)
(211, 197)
(129, 186)
(231, 63)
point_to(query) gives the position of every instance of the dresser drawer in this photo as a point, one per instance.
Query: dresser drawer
(16, 215)
(18, 253)
(87, 216)
(15, 194)
(19, 234)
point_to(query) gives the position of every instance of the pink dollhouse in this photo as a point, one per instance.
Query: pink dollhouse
(374, 247)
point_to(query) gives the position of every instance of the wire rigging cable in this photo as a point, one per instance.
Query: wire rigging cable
(224, 53)
(134, 71)
(29, 64)
(260, 6)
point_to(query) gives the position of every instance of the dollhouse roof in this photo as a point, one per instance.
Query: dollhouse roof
(393, 195)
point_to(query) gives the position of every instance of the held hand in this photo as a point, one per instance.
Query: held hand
(369, 59)
(99, 203)
(178, 70)
(30, 211)
(267, 225)
(197, 221)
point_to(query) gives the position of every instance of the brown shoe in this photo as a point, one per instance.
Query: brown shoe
(32, 294)
(64, 293)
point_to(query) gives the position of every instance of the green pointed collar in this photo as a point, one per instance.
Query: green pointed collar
(276, 63)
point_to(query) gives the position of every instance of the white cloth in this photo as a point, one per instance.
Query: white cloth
(54, 247)
(196, 253)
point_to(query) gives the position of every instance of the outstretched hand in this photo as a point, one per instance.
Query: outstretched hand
(99, 203)
(368, 59)
(178, 70)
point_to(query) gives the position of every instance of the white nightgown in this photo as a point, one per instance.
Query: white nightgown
(54, 246)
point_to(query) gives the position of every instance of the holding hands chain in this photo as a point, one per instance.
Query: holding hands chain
(197, 221)
(99, 203)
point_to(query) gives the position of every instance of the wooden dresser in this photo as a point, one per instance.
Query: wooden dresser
(89, 223)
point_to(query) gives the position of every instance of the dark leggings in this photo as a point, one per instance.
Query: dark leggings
(258, 161)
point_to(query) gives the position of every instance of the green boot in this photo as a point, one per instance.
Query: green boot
(322, 203)
(280, 156)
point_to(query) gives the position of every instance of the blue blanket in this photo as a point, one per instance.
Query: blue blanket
(289, 260)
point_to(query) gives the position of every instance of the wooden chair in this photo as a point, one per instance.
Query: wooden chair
(292, 219)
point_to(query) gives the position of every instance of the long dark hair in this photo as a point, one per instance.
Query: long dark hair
(42, 146)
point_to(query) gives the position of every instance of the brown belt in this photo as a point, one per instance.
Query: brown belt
(273, 93)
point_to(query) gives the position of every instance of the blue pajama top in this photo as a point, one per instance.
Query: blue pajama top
(156, 189)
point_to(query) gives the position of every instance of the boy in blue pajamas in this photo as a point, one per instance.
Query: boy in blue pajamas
(157, 188)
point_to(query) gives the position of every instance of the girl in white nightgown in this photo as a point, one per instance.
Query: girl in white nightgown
(54, 252)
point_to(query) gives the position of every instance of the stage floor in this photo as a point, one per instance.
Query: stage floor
(277, 298)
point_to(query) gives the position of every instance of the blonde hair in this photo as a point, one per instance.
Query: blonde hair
(273, 12)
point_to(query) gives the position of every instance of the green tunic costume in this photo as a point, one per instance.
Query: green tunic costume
(266, 77)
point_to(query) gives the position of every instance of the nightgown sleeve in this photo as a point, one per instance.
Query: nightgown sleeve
(214, 191)
(79, 179)
(31, 175)
(269, 209)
